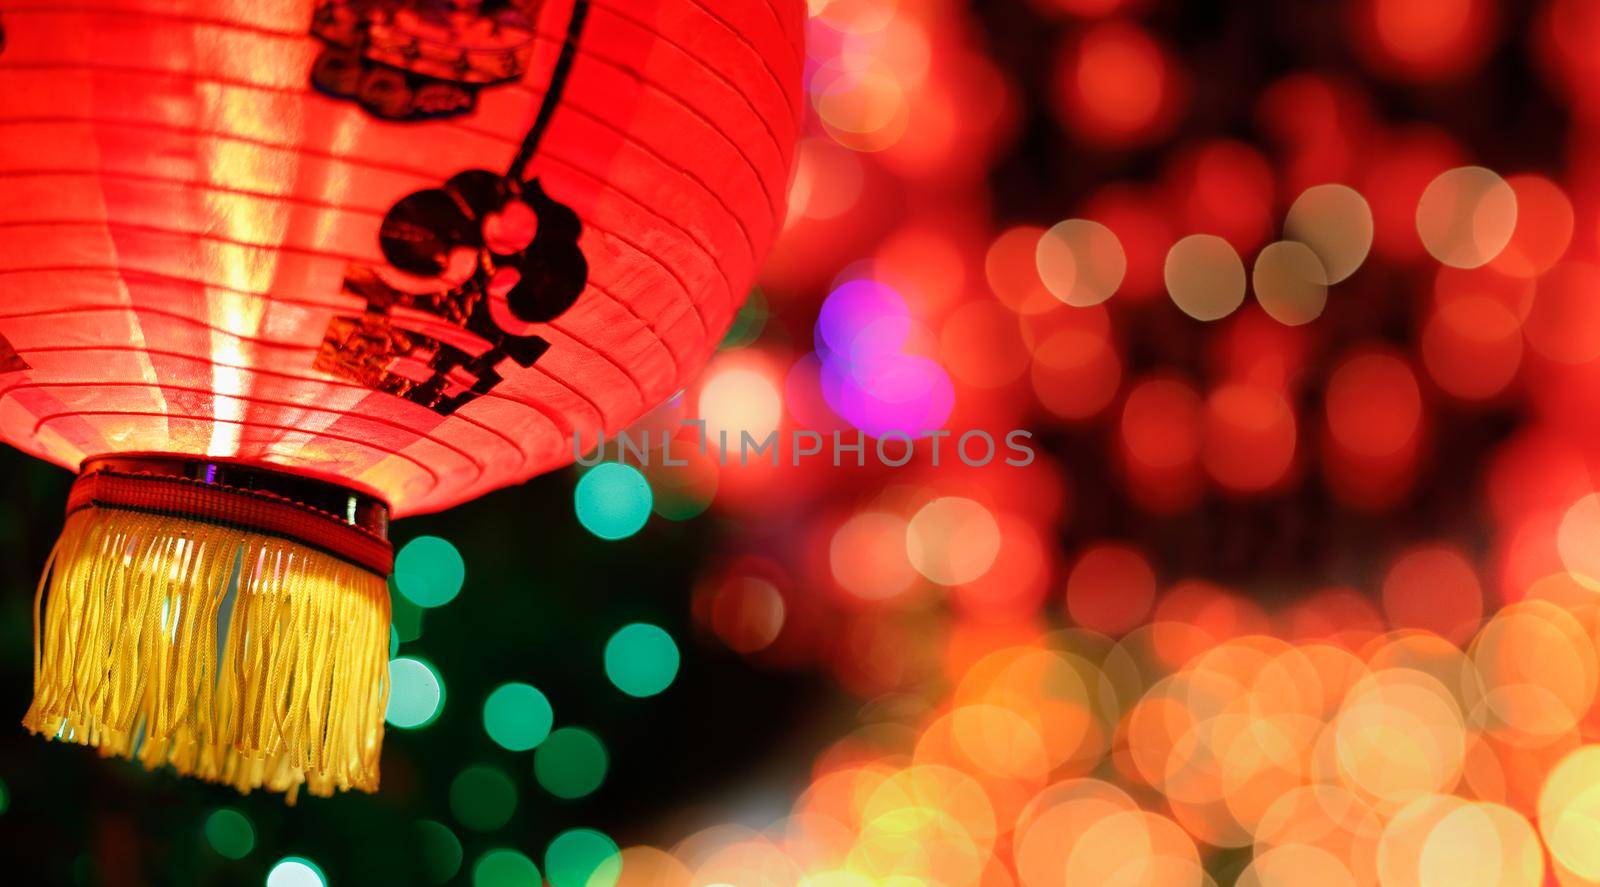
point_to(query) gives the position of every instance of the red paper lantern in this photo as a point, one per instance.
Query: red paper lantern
(274, 270)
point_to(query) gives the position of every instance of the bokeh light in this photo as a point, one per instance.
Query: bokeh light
(1466, 216)
(1080, 262)
(416, 693)
(952, 540)
(504, 867)
(582, 858)
(612, 500)
(1336, 223)
(1205, 277)
(296, 871)
(483, 798)
(441, 850)
(1290, 282)
(641, 659)
(230, 833)
(571, 763)
(429, 571)
(517, 716)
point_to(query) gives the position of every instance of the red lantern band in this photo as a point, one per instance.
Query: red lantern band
(346, 524)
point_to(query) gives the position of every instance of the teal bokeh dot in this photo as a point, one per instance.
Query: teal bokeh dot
(429, 571)
(641, 659)
(517, 716)
(505, 868)
(416, 693)
(571, 763)
(296, 871)
(441, 850)
(582, 858)
(483, 798)
(613, 500)
(230, 833)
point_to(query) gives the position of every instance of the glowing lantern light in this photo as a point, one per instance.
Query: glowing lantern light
(267, 291)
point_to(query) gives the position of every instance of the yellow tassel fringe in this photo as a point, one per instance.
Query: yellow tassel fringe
(233, 656)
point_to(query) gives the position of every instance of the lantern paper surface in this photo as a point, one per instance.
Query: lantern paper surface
(403, 245)
(271, 272)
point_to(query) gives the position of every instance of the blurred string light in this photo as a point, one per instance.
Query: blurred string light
(1335, 222)
(416, 693)
(1466, 216)
(1290, 283)
(441, 850)
(1356, 754)
(952, 540)
(429, 571)
(296, 871)
(517, 716)
(504, 867)
(483, 798)
(571, 763)
(582, 858)
(1081, 262)
(612, 500)
(641, 659)
(867, 377)
(746, 613)
(1402, 734)
(739, 400)
(1205, 277)
(230, 833)
(748, 323)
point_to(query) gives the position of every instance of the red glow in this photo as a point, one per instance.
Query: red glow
(1116, 86)
(1425, 40)
(1434, 588)
(1249, 440)
(1110, 589)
